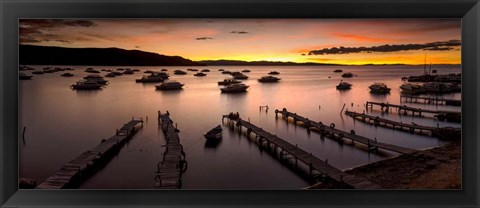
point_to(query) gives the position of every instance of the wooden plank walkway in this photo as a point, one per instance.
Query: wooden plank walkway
(170, 169)
(338, 135)
(277, 144)
(446, 133)
(87, 163)
(435, 100)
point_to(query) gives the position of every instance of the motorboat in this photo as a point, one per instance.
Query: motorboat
(96, 78)
(111, 74)
(234, 88)
(245, 70)
(228, 82)
(337, 70)
(274, 73)
(206, 70)
(200, 74)
(347, 75)
(86, 85)
(411, 88)
(269, 79)
(226, 72)
(344, 86)
(179, 72)
(67, 74)
(215, 133)
(152, 78)
(91, 70)
(379, 88)
(169, 85)
(239, 75)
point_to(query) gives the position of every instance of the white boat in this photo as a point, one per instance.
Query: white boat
(411, 88)
(169, 85)
(234, 88)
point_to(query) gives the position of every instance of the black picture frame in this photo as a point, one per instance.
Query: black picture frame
(11, 11)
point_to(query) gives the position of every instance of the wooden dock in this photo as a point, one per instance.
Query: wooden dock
(170, 169)
(435, 100)
(446, 133)
(285, 151)
(74, 172)
(339, 135)
(451, 116)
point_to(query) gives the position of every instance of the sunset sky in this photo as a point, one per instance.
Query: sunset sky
(363, 41)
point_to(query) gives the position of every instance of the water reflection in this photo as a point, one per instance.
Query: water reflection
(212, 143)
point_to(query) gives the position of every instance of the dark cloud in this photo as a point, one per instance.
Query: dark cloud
(204, 38)
(239, 32)
(37, 30)
(434, 46)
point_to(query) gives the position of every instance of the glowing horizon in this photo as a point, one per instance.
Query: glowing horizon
(329, 41)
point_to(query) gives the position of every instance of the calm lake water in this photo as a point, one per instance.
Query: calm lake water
(62, 123)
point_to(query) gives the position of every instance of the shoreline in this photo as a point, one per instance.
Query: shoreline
(433, 168)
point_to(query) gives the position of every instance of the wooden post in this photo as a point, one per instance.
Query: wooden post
(342, 108)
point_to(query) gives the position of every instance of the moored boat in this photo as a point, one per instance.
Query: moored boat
(226, 72)
(411, 88)
(274, 72)
(152, 78)
(344, 86)
(246, 70)
(67, 74)
(200, 74)
(179, 72)
(234, 88)
(96, 78)
(347, 75)
(169, 85)
(239, 75)
(86, 85)
(215, 133)
(91, 70)
(379, 88)
(37, 72)
(269, 79)
(337, 70)
(206, 70)
(228, 82)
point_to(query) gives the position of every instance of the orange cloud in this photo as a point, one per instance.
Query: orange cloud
(361, 38)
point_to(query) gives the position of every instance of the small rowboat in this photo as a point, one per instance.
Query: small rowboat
(215, 133)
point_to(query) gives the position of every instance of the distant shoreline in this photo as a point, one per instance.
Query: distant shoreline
(55, 56)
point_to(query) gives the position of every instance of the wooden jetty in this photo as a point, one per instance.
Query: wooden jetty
(435, 100)
(446, 133)
(77, 170)
(285, 151)
(451, 116)
(170, 169)
(339, 135)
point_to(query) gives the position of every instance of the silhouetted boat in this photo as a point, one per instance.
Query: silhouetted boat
(347, 75)
(128, 71)
(86, 85)
(96, 78)
(239, 75)
(164, 70)
(206, 70)
(234, 88)
(200, 74)
(344, 86)
(67, 75)
(192, 69)
(337, 70)
(91, 70)
(179, 72)
(269, 79)
(215, 133)
(274, 72)
(246, 70)
(152, 78)
(411, 88)
(23, 76)
(379, 88)
(111, 74)
(169, 85)
(226, 72)
(228, 82)
(37, 72)
(221, 70)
